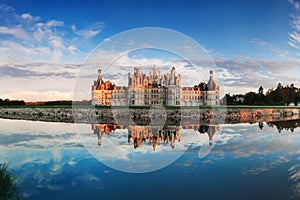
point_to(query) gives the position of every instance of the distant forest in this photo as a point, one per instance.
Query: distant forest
(281, 96)
(8, 102)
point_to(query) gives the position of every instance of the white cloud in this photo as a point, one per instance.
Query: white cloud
(73, 27)
(72, 49)
(267, 46)
(37, 81)
(90, 32)
(294, 35)
(27, 34)
(295, 4)
(28, 16)
(17, 31)
(296, 22)
(54, 23)
(16, 52)
(56, 42)
(57, 52)
(293, 45)
(243, 75)
(294, 40)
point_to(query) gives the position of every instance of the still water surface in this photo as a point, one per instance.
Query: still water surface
(246, 161)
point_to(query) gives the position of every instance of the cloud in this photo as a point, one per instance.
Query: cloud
(89, 32)
(28, 16)
(31, 38)
(294, 40)
(296, 22)
(17, 31)
(242, 74)
(15, 72)
(294, 35)
(37, 81)
(267, 46)
(54, 23)
(16, 52)
(73, 27)
(295, 4)
(72, 48)
(57, 44)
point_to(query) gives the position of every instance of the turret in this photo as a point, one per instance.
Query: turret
(172, 79)
(154, 71)
(211, 85)
(99, 74)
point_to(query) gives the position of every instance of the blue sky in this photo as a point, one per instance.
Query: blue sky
(42, 42)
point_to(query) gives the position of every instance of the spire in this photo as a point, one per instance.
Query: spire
(99, 74)
(211, 85)
(211, 76)
(100, 80)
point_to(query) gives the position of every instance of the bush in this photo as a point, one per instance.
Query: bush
(8, 184)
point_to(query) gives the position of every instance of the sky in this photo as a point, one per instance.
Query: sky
(44, 43)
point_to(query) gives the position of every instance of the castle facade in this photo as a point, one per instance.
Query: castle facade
(155, 89)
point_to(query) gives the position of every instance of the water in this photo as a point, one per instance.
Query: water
(246, 161)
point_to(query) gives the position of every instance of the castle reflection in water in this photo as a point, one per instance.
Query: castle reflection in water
(170, 134)
(154, 135)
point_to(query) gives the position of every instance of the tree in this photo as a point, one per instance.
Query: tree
(261, 90)
(279, 86)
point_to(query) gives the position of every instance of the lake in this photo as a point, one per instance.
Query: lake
(219, 161)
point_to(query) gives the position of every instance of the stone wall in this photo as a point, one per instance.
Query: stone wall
(150, 116)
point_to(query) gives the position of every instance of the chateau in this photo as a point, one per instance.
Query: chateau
(156, 89)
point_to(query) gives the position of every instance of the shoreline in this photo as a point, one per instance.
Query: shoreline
(144, 116)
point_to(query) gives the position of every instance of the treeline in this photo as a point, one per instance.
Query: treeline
(7, 102)
(288, 95)
(50, 103)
